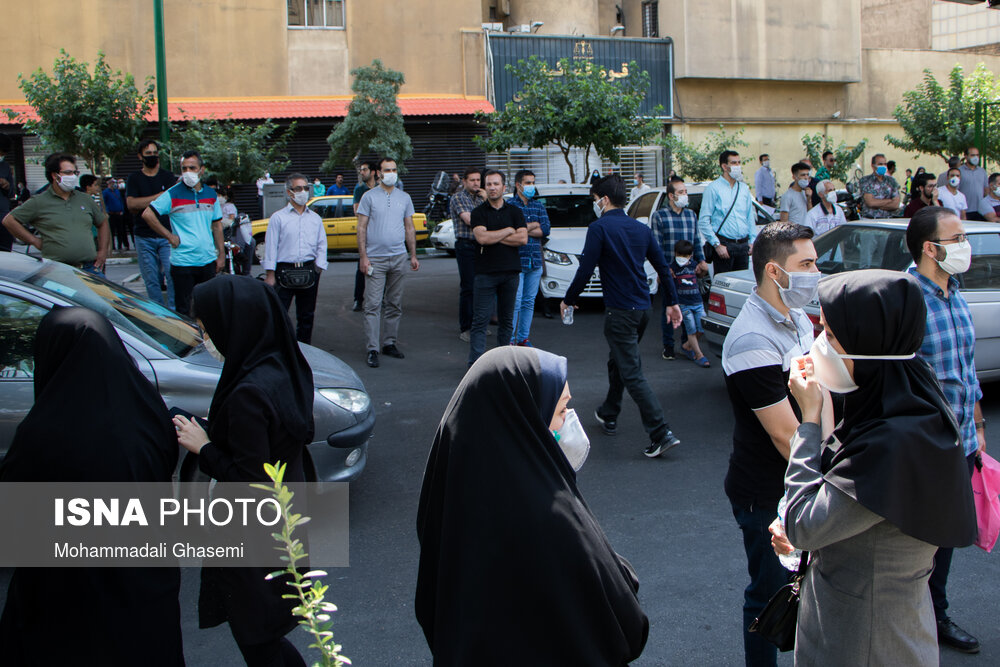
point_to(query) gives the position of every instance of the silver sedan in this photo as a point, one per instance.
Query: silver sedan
(168, 350)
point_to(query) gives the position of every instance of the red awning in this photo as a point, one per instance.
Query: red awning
(290, 107)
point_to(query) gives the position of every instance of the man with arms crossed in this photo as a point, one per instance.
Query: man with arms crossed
(769, 331)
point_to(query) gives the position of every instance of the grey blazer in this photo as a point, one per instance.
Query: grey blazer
(864, 600)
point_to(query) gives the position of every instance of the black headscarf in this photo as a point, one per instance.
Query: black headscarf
(513, 565)
(250, 328)
(897, 451)
(96, 418)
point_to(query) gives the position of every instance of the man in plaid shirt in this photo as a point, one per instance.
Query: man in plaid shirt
(937, 241)
(468, 197)
(675, 223)
(531, 254)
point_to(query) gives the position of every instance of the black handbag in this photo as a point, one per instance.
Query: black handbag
(777, 620)
(296, 277)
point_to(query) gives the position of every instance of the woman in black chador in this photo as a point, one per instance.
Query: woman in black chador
(514, 568)
(96, 418)
(261, 413)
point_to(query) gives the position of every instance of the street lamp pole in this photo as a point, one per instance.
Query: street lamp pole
(161, 71)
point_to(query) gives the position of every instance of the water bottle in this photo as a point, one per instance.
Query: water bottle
(788, 561)
(567, 316)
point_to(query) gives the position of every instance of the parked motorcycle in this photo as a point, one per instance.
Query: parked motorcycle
(437, 208)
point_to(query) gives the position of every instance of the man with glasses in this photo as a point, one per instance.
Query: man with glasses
(940, 248)
(64, 218)
(195, 233)
(296, 240)
(152, 250)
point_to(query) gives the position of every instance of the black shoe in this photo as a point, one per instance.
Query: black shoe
(668, 353)
(951, 635)
(373, 359)
(609, 426)
(356, 307)
(393, 351)
(669, 441)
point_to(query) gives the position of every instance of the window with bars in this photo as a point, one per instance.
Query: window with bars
(315, 13)
(650, 18)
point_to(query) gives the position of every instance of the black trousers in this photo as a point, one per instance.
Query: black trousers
(277, 653)
(359, 286)
(739, 257)
(185, 278)
(118, 232)
(623, 330)
(465, 255)
(938, 581)
(305, 308)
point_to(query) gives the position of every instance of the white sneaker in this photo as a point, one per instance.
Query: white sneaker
(464, 336)
(491, 331)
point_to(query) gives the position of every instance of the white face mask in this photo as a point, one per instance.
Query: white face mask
(954, 181)
(974, 160)
(831, 197)
(212, 350)
(682, 261)
(996, 192)
(682, 201)
(957, 257)
(389, 179)
(803, 183)
(300, 198)
(573, 440)
(69, 183)
(830, 370)
(736, 172)
(598, 211)
(766, 164)
(190, 178)
(802, 287)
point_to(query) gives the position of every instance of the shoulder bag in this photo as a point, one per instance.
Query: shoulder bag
(777, 620)
(709, 249)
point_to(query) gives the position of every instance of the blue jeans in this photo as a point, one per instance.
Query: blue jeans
(154, 260)
(665, 326)
(90, 268)
(492, 290)
(766, 576)
(692, 318)
(524, 304)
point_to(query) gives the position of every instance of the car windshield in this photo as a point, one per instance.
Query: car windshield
(569, 210)
(849, 248)
(157, 325)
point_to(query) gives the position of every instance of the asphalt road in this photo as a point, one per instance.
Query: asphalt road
(668, 516)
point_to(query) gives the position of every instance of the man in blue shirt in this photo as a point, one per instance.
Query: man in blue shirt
(618, 245)
(763, 182)
(195, 230)
(940, 249)
(115, 207)
(537, 220)
(338, 188)
(727, 219)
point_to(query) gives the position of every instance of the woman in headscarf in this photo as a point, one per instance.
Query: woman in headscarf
(261, 413)
(514, 568)
(96, 418)
(889, 486)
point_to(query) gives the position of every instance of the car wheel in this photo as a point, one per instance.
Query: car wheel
(258, 251)
(451, 253)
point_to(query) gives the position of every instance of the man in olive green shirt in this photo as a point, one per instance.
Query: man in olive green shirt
(64, 218)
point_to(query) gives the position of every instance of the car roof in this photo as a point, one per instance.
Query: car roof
(562, 189)
(692, 188)
(971, 227)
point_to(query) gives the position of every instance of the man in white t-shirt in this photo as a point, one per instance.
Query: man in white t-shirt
(261, 182)
(825, 215)
(989, 206)
(639, 189)
(951, 197)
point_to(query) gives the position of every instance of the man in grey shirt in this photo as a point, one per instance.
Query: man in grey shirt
(973, 185)
(385, 235)
(796, 202)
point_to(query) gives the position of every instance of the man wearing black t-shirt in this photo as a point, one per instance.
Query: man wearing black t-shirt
(499, 230)
(152, 250)
(769, 331)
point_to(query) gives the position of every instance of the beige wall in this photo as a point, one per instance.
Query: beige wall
(776, 101)
(764, 39)
(896, 24)
(318, 62)
(561, 17)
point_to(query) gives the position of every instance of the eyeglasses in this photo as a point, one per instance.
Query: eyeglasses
(73, 172)
(301, 188)
(957, 238)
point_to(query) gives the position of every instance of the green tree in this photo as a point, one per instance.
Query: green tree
(940, 121)
(577, 105)
(98, 116)
(233, 152)
(374, 122)
(817, 144)
(701, 162)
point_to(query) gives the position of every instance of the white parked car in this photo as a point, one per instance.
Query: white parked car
(443, 236)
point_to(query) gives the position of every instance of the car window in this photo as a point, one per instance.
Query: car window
(849, 248)
(694, 202)
(157, 325)
(329, 208)
(569, 210)
(18, 323)
(984, 272)
(644, 205)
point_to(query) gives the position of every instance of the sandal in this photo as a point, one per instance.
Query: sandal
(689, 354)
(703, 362)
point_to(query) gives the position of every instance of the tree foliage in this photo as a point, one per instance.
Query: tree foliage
(940, 121)
(817, 144)
(577, 105)
(701, 162)
(374, 123)
(98, 116)
(233, 152)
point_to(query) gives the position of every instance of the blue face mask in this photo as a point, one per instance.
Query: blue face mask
(529, 191)
(881, 170)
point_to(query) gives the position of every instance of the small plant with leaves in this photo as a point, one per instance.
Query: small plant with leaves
(312, 610)
(701, 162)
(817, 144)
